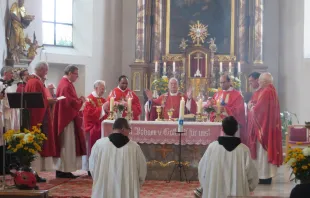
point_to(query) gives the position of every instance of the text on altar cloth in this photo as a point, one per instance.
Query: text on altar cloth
(169, 132)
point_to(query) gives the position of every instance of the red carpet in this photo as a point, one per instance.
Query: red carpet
(81, 187)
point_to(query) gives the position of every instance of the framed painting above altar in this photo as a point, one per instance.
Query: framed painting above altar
(218, 15)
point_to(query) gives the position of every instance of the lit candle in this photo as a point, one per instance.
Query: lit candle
(181, 115)
(239, 67)
(111, 103)
(129, 104)
(165, 66)
(156, 66)
(221, 67)
(199, 105)
(229, 67)
(173, 66)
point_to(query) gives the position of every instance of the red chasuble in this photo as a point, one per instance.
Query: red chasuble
(20, 87)
(264, 125)
(233, 103)
(66, 111)
(92, 120)
(121, 95)
(34, 84)
(171, 102)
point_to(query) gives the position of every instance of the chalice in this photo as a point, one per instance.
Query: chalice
(170, 113)
(158, 110)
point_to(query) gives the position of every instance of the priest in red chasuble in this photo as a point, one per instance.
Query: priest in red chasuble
(170, 100)
(229, 102)
(264, 127)
(41, 116)
(70, 138)
(253, 81)
(96, 110)
(121, 94)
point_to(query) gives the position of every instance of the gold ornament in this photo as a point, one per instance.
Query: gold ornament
(198, 33)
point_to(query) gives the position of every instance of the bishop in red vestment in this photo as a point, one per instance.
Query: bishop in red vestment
(70, 139)
(264, 126)
(42, 116)
(229, 102)
(121, 94)
(170, 100)
(95, 111)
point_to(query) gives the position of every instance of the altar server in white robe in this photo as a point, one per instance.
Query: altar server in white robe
(226, 168)
(10, 116)
(117, 164)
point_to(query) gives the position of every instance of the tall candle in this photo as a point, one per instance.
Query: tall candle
(129, 104)
(199, 105)
(230, 67)
(239, 67)
(181, 115)
(221, 67)
(173, 66)
(111, 103)
(156, 66)
(165, 66)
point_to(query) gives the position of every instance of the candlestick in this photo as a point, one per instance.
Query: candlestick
(111, 104)
(199, 106)
(239, 67)
(156, 66)
(229, 67)
(221, 67)
(165, 66)
(129, 104)
(173, 65)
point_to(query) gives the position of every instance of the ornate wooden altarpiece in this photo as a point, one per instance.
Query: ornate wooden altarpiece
(234, 27)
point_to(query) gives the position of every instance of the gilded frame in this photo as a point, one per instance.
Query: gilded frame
(136, 77)
(222, 57)
(189, 63)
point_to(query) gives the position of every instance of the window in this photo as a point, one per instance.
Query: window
(57, 22)
(307, 29)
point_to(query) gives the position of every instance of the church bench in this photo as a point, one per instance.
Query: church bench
(14, 193)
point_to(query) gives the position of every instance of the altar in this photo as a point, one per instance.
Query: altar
(159, 143)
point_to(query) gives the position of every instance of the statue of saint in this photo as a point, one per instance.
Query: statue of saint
(18, 21)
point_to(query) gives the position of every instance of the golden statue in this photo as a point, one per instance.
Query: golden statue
(18, 21)
(33, 46)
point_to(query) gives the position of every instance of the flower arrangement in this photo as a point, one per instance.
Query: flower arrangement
(235, 82)
(160, 85)
(25, 144)
(212, 91)
(299, 160)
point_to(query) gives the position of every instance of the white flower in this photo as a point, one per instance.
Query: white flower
(26, 137)
(306, 151)
(291, 161)
(19, 135)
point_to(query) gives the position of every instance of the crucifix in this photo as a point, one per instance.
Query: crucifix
(198, 57)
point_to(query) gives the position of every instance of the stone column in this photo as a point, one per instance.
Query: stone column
(141, 32)
(258, 32)
(157, 33)
(242, 30)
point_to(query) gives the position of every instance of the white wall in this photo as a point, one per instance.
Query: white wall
(3, 5)
(294, 70)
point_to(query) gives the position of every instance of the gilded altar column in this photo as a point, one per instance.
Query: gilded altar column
(141, 32)
(157, 39)
(242, 26)
(258, 32)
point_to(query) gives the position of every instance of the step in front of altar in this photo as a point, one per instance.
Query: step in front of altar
(159, 142)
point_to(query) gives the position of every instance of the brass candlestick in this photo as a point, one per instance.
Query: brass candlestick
(218, 118)
(111, 115)
(158, 110)
(129, 115)
(198, 117)
(170, 113)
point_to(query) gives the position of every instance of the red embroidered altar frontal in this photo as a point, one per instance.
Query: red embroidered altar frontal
(165, 132)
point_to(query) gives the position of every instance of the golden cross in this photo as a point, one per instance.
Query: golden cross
(164, 151)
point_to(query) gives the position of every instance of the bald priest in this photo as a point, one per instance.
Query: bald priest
(170, 100)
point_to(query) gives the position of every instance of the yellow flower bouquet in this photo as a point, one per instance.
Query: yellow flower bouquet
(25, 144)
(299, 160)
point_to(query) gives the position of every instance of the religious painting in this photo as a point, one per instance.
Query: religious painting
(218, 15)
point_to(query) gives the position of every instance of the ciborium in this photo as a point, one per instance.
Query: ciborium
(170, 113)
(158, 110)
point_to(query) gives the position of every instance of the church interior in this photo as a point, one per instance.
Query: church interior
(152, 43)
